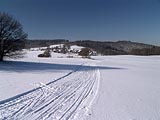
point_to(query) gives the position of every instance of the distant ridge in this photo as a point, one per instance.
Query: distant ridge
(120, 47)
(43, 42)
(103, 47)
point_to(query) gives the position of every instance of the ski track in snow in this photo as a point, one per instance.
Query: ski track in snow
(66, 98)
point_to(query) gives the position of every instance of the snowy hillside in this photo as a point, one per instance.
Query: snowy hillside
(60, 48)
(61, 88)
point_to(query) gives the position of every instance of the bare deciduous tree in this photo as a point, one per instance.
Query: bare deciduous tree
(12, 37)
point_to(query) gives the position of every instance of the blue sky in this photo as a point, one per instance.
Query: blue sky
(135, 20)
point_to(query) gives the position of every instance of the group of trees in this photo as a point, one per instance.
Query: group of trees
(104, 48)
(45, 54)
(85, 52)
(12, 37)
(119, 48)
(43, 42)
(146, 51)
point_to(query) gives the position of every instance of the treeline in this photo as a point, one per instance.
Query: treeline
(146, 51)
(104, 48)
(44, 43)
(120, 47)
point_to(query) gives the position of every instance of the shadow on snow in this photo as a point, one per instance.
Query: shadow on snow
(18, 66)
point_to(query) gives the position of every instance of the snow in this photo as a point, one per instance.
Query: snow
(72, 47)
(77, 48)
(37, 49)
(131, 91)
(57, 45)
(26, 73)
(106, 88)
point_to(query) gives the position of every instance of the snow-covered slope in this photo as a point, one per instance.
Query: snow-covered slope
(61, 88)
(27, 73)
(47, 88)
(129, 89)
(75, 47)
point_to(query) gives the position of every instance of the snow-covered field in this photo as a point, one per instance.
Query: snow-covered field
(61, 88)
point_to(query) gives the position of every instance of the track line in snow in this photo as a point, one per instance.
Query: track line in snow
(62, 99)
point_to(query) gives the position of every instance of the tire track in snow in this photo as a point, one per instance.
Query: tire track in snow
(83, 95)
(58, 100)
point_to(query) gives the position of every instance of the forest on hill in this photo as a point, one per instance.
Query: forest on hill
(103, 48)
